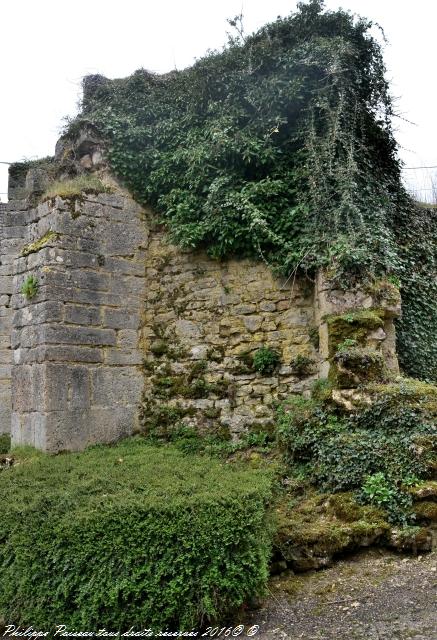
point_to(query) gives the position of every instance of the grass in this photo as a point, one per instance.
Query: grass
(75, 187)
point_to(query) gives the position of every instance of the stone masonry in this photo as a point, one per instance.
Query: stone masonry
(204, 321)
(76, 375)
(129, 333)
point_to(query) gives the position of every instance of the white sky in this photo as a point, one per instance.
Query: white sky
(46, 46)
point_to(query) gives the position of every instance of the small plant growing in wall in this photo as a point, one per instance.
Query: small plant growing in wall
(266, 360)
(29, 288)
(302, 365)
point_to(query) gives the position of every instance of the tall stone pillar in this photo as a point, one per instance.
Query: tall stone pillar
(76, 375)
(359, 320)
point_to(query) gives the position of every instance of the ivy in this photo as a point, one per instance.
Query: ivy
(279, 147)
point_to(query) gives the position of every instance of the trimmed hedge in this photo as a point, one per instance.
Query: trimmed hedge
(130, 535)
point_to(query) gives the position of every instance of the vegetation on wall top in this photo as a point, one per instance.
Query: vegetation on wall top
(281, 147)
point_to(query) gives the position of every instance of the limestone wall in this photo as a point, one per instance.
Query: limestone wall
(13, 219)
(76, 374)
(203, 322)
(128, 333)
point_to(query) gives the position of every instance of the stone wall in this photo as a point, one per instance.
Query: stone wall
(203, 323)
(128, 333)
(13, 219)
(76, 374)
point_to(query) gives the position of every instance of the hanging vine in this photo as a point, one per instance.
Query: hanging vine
(279, 147)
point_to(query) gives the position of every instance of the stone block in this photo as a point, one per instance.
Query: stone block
(127, 339)
(187, 330)
(114, 386)
(121, 318)
(84, 315)
(122, 357)
(62, 334)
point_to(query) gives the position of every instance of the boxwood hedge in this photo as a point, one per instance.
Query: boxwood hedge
(130, 535)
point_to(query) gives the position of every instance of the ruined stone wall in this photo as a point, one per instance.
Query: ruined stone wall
(76, 375)
(203, 323)
(128, 333)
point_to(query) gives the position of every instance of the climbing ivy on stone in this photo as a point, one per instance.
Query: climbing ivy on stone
(280, 147)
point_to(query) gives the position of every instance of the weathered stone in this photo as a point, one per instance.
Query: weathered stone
(186, 329)
(58, 339)
(85, 315)
(253, 323)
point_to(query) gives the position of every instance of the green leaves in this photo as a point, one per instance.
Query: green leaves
(279, 147)
(30, 287)
(375, 451)
(266, 360)
(130, 535)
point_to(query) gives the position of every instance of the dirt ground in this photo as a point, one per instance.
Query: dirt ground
(373, 595)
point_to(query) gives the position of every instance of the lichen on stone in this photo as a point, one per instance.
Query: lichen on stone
(33, 247)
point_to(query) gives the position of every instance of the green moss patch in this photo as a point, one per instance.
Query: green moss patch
(354, 366)
(355, 326)
(33, 247)
(313, 529)
(130, 535)
(426, 511)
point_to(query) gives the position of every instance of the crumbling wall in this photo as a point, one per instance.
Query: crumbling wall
(204, 321)
(128, 333)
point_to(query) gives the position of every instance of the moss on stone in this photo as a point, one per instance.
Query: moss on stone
(35, 246)
(426, 511)
(76, 187)
(321, 390)
(355, 325)
(159, 419)
(409, 391)
(355, 366)
(318, 526)
(385, 293)
(424, 490)
(159, 347)
(303, 366)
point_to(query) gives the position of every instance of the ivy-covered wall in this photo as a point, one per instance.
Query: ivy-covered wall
(280, 147)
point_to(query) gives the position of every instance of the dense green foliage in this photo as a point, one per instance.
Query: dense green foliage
(5, 443)
(392, 440)
(130, 535)
(417, 328)
(281, 147)
(266, 360)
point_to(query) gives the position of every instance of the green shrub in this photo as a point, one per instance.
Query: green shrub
(265, 360)
(380, 492)
(30, 287)
(5, 443)
(302, 365)
(393, 438)
(130, 535)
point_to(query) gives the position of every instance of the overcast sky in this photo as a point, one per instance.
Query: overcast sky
(46, 46)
